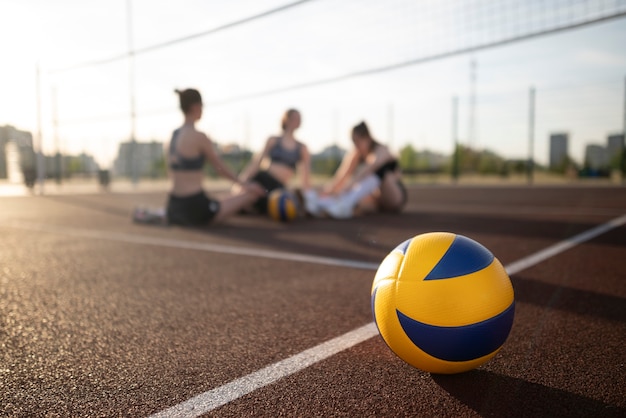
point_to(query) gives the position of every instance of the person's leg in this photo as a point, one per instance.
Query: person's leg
(342, 206)
(269, 183)
(310, 202)
(369, 204)
(233, 204)
(392, 193)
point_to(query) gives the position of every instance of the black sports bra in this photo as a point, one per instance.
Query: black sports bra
(288, 157)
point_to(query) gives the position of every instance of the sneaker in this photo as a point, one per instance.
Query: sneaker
(311, 203)
(149, 216)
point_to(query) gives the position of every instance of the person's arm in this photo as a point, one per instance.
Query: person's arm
(380, 158)
(220, 167)
(304, 167)
(346, 168)
(255, 163)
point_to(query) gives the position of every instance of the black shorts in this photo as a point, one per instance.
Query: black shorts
(269, 183)
(389, 167)
(194, 210)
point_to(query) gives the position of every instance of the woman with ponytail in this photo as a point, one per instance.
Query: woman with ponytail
(188, 152)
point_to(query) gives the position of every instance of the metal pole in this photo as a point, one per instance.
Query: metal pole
(471, 130)
(390, 125)
(131, 67)
(623, 161)
(39, 164)
(335, 127)
(55, 122)
(531, 135)
(455, 140)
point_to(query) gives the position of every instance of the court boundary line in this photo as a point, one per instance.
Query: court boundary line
(193, 245)
(237, 388)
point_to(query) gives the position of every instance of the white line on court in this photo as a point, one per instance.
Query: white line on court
(210, 400)
(564, 245)
(237, 388)
(192, 245)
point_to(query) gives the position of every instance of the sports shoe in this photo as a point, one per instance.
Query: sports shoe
(149, 216)
(311, 203)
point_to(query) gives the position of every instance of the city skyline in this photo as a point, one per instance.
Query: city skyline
(598, 156)
(578, 76)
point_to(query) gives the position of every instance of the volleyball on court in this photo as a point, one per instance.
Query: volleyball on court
(282, 205)
(443, 303)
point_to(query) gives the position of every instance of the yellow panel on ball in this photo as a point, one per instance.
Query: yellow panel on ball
(443, 303)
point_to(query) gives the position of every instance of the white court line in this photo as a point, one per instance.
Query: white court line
(192, 245)
(210, 400)
(564, 245)
(222, 395)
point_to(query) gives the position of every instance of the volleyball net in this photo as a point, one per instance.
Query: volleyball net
(396, 64)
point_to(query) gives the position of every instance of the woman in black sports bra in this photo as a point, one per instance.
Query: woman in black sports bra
(282, 156)
(188, 204)
(368, 179)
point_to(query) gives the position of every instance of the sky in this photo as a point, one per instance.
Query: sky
(579, 75)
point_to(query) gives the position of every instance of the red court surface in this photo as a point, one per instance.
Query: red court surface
(100, 317)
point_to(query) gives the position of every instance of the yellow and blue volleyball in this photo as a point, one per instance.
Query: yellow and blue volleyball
(443, 303)
(282, 205)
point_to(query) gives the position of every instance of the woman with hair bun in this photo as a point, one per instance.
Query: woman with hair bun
(189, 150)
(368, 179)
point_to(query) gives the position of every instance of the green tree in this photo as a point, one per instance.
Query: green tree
(408, 158)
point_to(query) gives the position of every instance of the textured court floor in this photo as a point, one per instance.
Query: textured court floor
(101, 317)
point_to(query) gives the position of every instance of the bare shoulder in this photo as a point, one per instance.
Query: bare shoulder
(302, 146)
(203, 142)
(201, 136)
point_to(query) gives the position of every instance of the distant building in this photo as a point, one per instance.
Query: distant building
(558, 149)
(596, 157)
(615, 144)
(22, 141)
(332, 151)
(138, 158)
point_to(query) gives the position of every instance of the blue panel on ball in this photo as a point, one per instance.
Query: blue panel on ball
(402, 247)
(282, 206)
(460, 343)
(464, 256)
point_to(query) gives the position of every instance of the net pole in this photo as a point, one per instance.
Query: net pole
(531, 135)
(134, 174)
(623, 150)
(455, 139)
(39, 163)
(55, 124)
(390, 133)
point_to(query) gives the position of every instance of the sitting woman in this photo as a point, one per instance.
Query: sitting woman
(189, 150)
(276, 165)
(368, 179)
